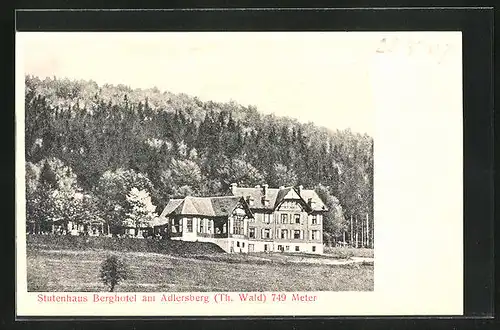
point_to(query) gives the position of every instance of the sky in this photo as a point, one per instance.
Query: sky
(319, 77)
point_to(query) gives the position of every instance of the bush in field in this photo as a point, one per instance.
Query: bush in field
(113, 271)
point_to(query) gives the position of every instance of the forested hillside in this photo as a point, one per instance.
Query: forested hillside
(101, 140)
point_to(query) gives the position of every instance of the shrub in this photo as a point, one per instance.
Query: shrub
(113, 271)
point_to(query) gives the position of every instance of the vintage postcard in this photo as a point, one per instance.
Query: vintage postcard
(239, 174)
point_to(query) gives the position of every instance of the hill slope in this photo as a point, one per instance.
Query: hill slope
(186, 146)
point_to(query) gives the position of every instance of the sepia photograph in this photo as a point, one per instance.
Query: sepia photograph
(190, 162)
(238, 173)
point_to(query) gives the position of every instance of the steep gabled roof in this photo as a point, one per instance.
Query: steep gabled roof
(318, 205)
(171, 206)
(204, 206)
(256, 194)
(276, 195)
(225, 205)
(281, 195)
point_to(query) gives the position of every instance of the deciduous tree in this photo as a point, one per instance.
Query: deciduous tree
(141, 210)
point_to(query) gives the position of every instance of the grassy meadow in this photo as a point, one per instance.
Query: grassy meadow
(348, 252)
(73, 263)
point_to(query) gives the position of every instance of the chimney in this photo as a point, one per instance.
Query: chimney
(233, 188)
(299, 188)
(265, 198)
(264, 189)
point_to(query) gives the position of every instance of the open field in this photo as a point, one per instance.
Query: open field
(67, 270)
(57, 265)
(348, 252)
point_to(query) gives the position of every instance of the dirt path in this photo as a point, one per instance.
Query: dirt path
(325, 261)
(289, 258)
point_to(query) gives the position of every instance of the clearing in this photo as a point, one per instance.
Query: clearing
(63, 268)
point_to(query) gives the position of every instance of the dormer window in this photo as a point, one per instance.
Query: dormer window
(310, 202)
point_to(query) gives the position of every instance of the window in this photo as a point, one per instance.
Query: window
(267, 218)
(314, 235)
(251, 232)
(267, 233)
(297, 218)
(314, 249)
(284, 234)
(242, 244)
(189, 225)
(287, 247)
(296, 234)
(265, 247)
(284, 218)
(238, 225)
(297, 248)
(200, 229)
(237, 244)
(280, 247)
(315, 219)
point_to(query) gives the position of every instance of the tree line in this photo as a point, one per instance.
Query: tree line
(101, 142)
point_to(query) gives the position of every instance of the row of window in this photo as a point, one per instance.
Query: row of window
(266, 217)
(286, 218)
(284, 233)
(287, 248)
(281, 248)
(238, 228)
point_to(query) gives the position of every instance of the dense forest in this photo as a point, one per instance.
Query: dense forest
(102, 141)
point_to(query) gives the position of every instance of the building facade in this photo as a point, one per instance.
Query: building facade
(259, 219)
(220, 220)
(288, 219)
